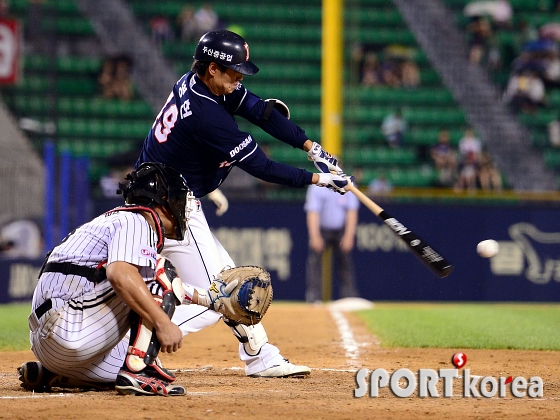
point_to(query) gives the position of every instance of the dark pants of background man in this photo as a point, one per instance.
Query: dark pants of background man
(342, 260)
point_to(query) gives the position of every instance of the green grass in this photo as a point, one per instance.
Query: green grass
(465, 325)
(14, 332)
(461, 325)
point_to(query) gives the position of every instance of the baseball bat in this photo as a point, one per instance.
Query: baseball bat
(417, 246)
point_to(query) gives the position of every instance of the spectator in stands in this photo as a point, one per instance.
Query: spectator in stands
(525, 33)
(479, 34)
(109, 182)
(469, 144)
(161, 30)
(445, 160)
(410, 75)
(551, 63)
(525, 92)
(206, 19)
(4, 8)
(553, 129)
(380, 185)
(500, 11)
(105, 78)
(393, 128)
(187, 24)
(527, 61)
(390, 72)
(37, 42)
(371, 72)
(494, 55)
(122, 83)
(489, 176)
(468, 173)
(502, 14)
(21, 239)
(115, 79)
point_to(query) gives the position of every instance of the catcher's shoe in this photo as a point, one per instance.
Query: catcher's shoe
(283, 370)
(35, 377)
(142, 383)
(156, 369)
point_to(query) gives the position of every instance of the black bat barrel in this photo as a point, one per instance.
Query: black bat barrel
(419, 247)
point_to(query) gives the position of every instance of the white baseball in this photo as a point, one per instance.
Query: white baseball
(487, 248)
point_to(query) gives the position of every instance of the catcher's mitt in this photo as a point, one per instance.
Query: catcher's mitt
(241, 294)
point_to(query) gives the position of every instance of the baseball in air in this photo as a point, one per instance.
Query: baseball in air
(487, 248)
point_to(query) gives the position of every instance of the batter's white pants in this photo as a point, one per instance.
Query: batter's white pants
(198, 259)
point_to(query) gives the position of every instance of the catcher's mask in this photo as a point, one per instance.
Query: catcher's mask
(155, 183)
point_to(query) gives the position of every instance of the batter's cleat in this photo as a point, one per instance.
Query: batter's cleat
(283, 370)
(141, 383)
(34, 377)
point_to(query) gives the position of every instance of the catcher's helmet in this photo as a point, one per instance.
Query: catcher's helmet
(225, 48)
(155, 183)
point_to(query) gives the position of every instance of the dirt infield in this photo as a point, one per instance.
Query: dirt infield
(218, 388)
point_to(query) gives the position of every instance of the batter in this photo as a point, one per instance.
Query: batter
(196, 133)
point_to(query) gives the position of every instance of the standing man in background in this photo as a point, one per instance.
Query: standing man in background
(331, 222)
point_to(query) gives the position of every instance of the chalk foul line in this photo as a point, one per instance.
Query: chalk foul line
(349, 343)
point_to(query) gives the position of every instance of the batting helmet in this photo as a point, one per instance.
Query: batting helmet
(156, 183)
(225, 48)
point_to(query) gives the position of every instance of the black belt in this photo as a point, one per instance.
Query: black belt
(43, 308)
(92, 274)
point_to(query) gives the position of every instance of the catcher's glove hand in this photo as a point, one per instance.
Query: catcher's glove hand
(241, 294)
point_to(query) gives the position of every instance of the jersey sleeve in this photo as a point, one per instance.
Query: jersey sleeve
(278, 126)
(258, 165)
(133, 241)
(220, 133)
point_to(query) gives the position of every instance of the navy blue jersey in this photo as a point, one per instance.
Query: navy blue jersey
(196, 133)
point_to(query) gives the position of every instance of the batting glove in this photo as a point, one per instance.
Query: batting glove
(323, 160)
(335, 182)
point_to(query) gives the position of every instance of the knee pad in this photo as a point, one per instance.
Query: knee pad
(253, 337)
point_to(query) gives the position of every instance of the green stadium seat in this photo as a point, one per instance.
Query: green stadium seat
(284, 33)
(372, 35)
(539, 119)
(540, 140)
(63, 7)
(552, 158)
(374, 16)
(386, 95)
(285, 153)
(41, 63)
(362, 156)
(238, 12)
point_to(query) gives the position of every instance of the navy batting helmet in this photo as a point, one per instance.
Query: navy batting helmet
(225, 48)
(155, 183)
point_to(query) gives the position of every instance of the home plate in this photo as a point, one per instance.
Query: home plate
(350, 304)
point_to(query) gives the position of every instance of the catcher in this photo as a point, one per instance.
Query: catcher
(103, 304)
